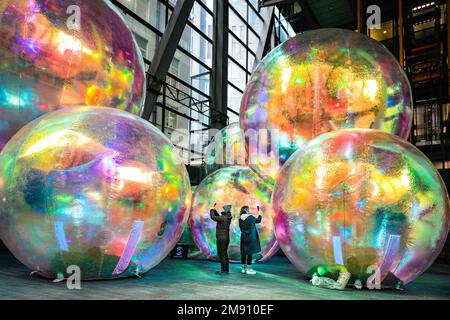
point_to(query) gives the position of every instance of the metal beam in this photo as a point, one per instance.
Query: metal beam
(401, 55)
(268, 3)
(165, 52)
(219, 76)
(266, 36)
(448, 44)
(359, 15)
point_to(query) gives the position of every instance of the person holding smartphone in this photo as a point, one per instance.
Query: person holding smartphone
(250, 243)
(223, 221)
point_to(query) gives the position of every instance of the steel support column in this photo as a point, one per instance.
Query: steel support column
(164, 54)
(401, 55)
(268, 3)
(448, 42)
(266, 36)
(219, 74)
(359, 15)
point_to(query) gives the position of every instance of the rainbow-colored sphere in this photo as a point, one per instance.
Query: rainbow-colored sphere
(321, 81)
(361, 198)
(237, 186)
(62, 53)
(94, 187)
(226, 149)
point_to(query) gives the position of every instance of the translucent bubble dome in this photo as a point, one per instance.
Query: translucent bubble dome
(63, 53)
(238, 186)
(361, 198)
(226, 149)
(319, 81)
(94, 187)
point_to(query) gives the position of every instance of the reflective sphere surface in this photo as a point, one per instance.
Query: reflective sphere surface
(62, 53)
(94, 187)
(361, 198)
(226, 149)
(320, 81)
(238, 186)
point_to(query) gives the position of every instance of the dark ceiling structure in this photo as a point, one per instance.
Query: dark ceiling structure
(313, 14)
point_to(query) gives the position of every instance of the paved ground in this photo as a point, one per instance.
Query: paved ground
(195, 279)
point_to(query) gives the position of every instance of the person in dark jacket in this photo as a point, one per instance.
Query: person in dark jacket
(249, 238)
(222, 235)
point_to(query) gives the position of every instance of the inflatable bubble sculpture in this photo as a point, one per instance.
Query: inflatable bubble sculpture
(94, 187)
(363, 199)
(226, 149)
(320, 81)
(238, 186)
(62, 53)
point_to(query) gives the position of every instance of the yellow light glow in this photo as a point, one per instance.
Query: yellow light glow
(371, 89)
(68, 42)
(286, 75)
(58, 139)
(376, 189)
(321, 172)
(135, 174)
(406, 180)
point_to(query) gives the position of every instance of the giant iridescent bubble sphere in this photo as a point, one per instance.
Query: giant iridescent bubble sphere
(94, 187)
(226, 149)
(320, 81)
(364, 199)
(62, 53)
(238, 186)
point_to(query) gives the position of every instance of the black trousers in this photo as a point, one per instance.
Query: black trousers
(222, 251)
(246, 259)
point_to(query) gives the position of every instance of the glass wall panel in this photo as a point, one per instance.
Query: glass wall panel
(237, 75)
(152, 11)
(182, 110)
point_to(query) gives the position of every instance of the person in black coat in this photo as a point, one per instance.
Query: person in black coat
(249, 238)
(222, 235)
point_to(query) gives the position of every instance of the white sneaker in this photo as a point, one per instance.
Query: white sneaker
(250, 271)
(243, 270)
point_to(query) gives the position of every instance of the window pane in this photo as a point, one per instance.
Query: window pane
(236, 75)
(253, 41)
(254, 3)
(240, 6)
(157, 15)
(201, 18)
(171, 120)
(255, 21)
(234, 99)
(209, 4)
(238, 26)
(193, 73)
(196, 44)
(251, 61)
(152, 11)
(142, 8)
(145, 38)
(236, 50)
(386, 31)
(232, 117)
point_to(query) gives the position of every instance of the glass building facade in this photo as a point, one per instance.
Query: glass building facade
(183, 109)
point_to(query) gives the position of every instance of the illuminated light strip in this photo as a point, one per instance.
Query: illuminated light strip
(337, 248)
(128, 252)
(388, 257)
(423, 6)
(61, 236)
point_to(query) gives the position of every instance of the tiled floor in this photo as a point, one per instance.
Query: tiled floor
(195, 279)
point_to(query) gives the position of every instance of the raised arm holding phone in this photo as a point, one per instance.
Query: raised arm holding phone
(223, 221)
